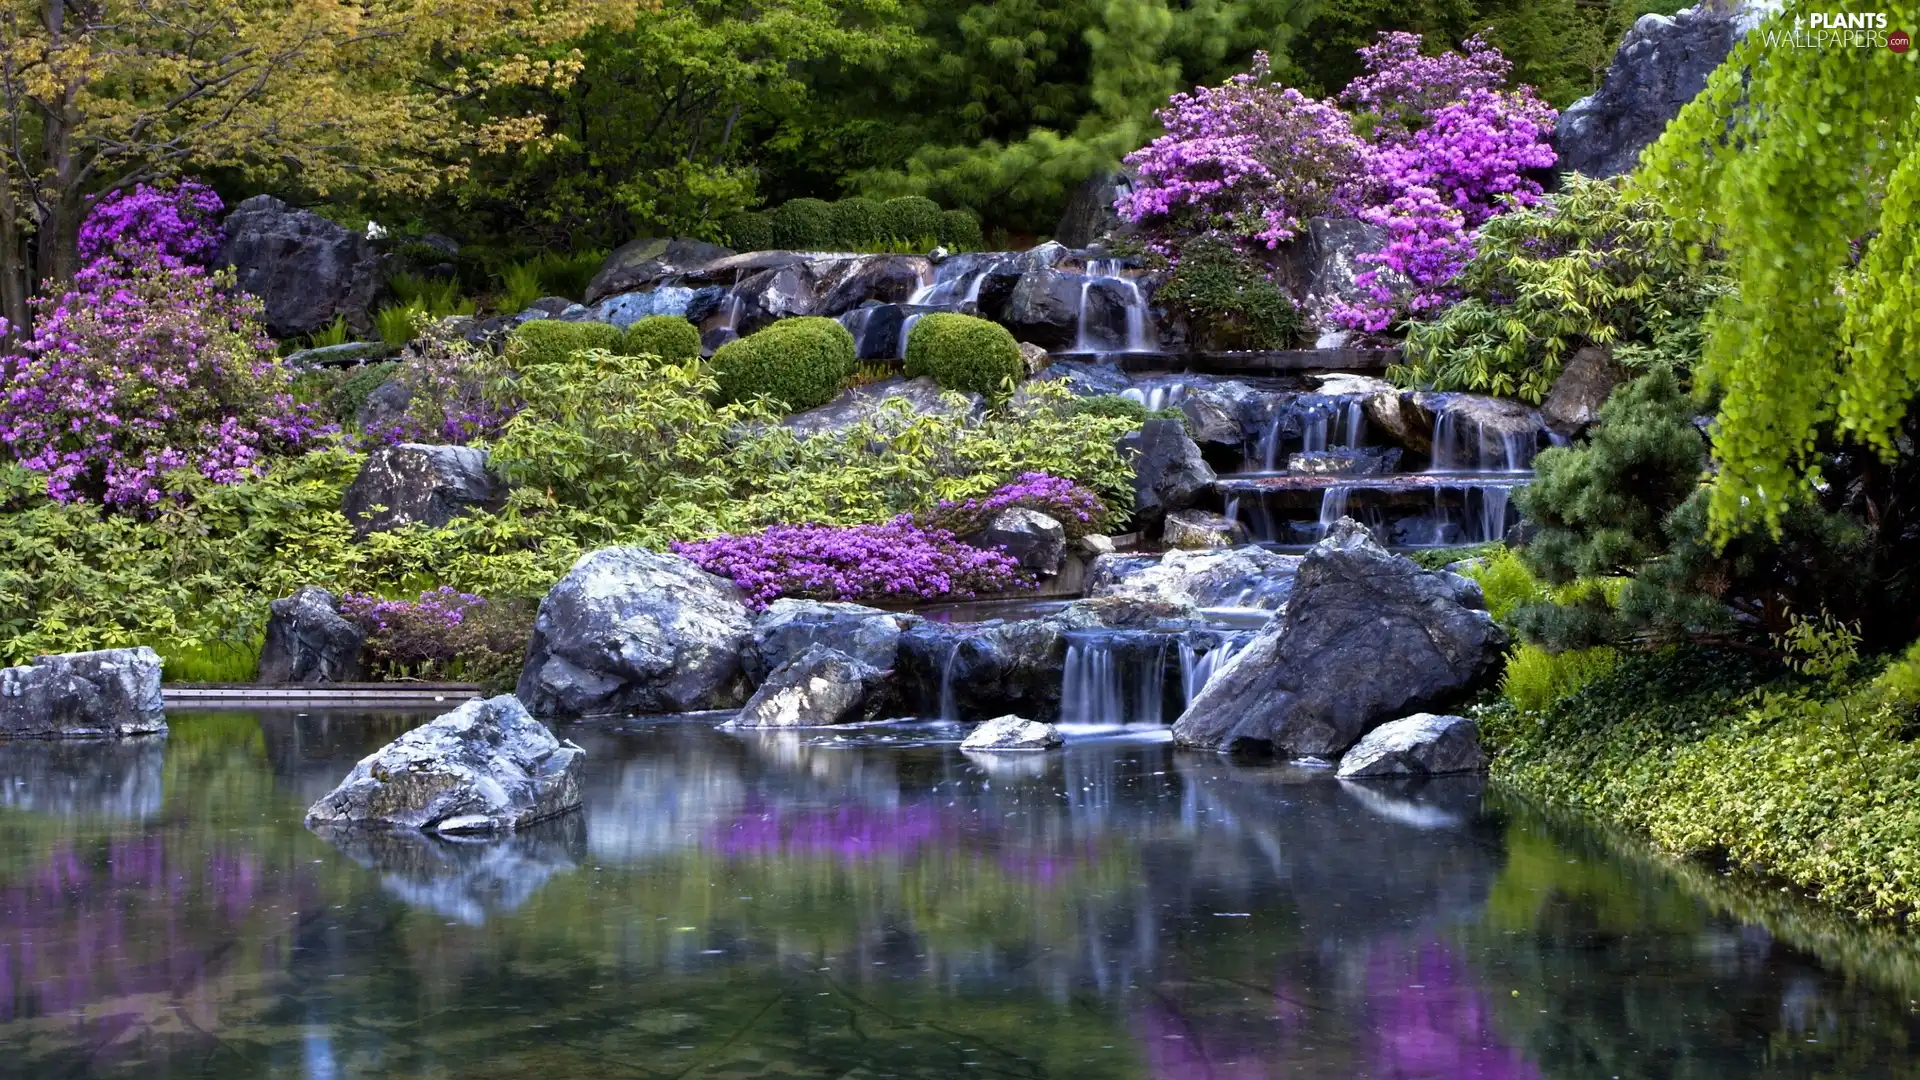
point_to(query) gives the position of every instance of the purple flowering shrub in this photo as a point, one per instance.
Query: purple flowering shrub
(1401, 87)
(450, 392)
(180, 225)
(892, 562)
(1074, 506)
(1248, 158)
(445, 634)
(141, 368)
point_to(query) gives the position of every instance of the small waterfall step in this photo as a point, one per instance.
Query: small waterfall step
(1263, 362)
(1279, 483)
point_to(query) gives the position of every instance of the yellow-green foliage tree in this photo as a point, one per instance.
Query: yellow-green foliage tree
(1805, 165)
(97, 95)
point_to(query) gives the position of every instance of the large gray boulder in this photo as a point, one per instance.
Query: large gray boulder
(1582, 387)
(1004, 733)
(1169, 472)
(861, 404)
(1044, 308)
(789, 628)
(1245, 577)
(484, 767)
(647, 261)
(419, 483)
(887, 279)
(983, 669)
(1419, 745)
(1031, 538)
(99, 694)
(1366, 636)
(308, 641)
(1662, 63)
(819, 688)
(1089, 214)
(629, 630)
(306, 270)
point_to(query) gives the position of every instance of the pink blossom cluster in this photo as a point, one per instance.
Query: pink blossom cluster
(141, 368)
(1402, 87)
(891, 562)
(1428, 243)
(1073, 505)
(1249, 158)
(178, 224)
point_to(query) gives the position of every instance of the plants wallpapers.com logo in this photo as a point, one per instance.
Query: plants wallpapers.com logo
(1840, 30)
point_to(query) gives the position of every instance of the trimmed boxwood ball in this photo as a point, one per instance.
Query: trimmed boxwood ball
(544, 341)
(912, 219)
(960, 230)
(803, 225)
(668, 337)
(749, 230)
(963, 353)
(859, 224)
(799, 362)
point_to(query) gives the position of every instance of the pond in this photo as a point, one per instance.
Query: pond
(869, 904)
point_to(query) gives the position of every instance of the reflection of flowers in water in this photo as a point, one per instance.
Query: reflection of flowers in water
(850, 833)
(1429, 1020)
(122, 920)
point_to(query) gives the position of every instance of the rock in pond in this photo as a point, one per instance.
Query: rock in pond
(1418, 745)
(1366, 636)
(1012, 733)
(788, 628)
(85, 695)
(486, 766)
(1031, 538)
(818, 688)
(308, 641)
(630, 630)
(419, 483)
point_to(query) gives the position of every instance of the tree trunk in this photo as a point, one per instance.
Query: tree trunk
(15, 282)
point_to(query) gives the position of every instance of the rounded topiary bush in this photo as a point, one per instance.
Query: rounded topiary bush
(749, 230)
(963, 353)
(668, 337)
(913, 219)
(859, 224)
(803, 225)
(544, 341)
(800, 362)
(960, 230)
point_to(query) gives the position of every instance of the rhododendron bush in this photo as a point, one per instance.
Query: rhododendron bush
(178, 225)
(1443, 146)
(140, 368)
(897, 561)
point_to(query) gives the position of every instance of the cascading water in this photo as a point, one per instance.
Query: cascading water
(1114, 679)
(1157, 397)
(1198, 668)
(906, 329)
(1333, 506)
(949, 706)
(1133, 304)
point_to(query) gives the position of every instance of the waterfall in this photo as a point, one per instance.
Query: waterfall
(949, 708)
(1459, 445)
(1198, 668)
(1356, 423)
(906, 329)
(856, 323)
(1155, 398)
(1313, 435)
(1333, 506)
(1113, 680)
(1132, 302)
(1493, 514)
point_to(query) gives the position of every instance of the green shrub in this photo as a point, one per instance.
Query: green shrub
(567, 273)
(912, 219)
(1587, 265)
(1230, 302)
(964, 353)
(398, 324)
(749, 230)
(1112, 406)
(438, 297)
(859, 224)
(519, 288)
(803, 225)
(346, 399)
(545, 341)
(1535, 678)
(960, 231)
(798, 362)
(669, 337)
(335, 333)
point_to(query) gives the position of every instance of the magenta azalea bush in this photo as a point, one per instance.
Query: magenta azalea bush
(443, 634)
(892, 562)
(179, 224)
(1073, 505)
(1446, 147)
(1248, 159)
(140, 369)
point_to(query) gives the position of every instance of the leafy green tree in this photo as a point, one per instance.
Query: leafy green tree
(1803, 164)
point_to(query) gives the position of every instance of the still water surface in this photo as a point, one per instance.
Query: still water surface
(806, 905)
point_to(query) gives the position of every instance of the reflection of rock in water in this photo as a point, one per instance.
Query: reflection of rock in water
(466, 879)
(118, 778)
(1442, 803)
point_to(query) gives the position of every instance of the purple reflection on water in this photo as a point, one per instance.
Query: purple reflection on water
(1429, 1020)
(849, 833)
(1176, 1048)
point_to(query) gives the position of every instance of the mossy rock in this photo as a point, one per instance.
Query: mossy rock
(798, 362)
(964, 353)
(668, 337)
